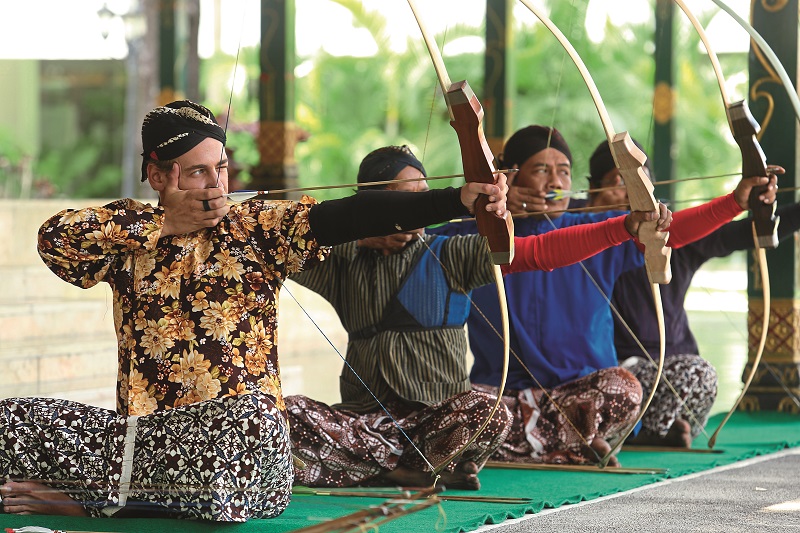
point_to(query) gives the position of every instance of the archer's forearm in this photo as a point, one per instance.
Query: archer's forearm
(378, 213)
(80, 245)
(689, 225)
(566, 246)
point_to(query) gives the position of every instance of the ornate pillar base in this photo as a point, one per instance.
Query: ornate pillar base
(275, 177)
(277, 169)
(775, 387)
(776, 384)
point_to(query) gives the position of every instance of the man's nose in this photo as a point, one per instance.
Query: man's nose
(554, 180)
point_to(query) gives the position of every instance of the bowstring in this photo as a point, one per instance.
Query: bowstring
(766, 364)
(230, 97)
(556, 108)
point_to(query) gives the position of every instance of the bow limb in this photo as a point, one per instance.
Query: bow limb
(744, 129)
(766, 49)
(629, 160)
(466, 115)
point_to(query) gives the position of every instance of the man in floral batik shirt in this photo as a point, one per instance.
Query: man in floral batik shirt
(195, 284)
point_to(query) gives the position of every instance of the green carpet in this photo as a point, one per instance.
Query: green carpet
(746, 435)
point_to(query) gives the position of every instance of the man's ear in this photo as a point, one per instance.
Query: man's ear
(156, 177)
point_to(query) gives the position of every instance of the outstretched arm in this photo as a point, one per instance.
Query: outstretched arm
(695, 223)
(566, 246)
(377, 213)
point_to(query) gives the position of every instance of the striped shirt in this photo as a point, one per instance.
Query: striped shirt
(427, 366)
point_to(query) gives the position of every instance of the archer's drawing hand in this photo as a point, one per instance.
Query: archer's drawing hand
(526, 200)
(190, 210)
(390, 244)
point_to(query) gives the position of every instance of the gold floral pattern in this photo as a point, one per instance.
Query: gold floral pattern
(195, 314)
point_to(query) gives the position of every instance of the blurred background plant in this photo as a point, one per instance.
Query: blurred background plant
(348, 105)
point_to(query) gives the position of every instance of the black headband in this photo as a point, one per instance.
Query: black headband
(385, 163)
(529, 141)
(169, 132)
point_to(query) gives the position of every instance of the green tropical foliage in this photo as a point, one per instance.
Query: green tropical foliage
(352, 105)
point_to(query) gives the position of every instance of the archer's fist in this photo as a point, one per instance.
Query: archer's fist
(742, 191)
(497, 194)
(663, 218)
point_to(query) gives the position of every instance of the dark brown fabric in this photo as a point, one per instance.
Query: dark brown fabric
(343, 448)
(560, 426)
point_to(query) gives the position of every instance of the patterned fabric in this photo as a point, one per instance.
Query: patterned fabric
(195, 314)
(560, 426)
(343, 448)
(692, 377)
(223, 460)
(416, 366)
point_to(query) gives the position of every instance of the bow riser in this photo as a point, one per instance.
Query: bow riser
(630, 161)
(477, 158)
(745, 129)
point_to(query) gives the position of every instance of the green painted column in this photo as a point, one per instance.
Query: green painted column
(498, 74)
(166, 52)
(664, 98)
(776, 20)
(277, 168)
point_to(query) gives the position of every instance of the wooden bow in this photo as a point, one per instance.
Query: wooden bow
(466, 115)
(629, 160)
(744, 129)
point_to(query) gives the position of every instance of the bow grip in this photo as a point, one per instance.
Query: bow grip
(630, 160)
(478, 161)
(754, 163)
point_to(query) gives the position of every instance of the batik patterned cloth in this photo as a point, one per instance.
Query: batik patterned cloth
(695, 382)
(559, 427)
(224, 460)
(195, 314)
(342, 448)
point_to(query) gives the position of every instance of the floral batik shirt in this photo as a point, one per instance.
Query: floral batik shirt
(195, 314)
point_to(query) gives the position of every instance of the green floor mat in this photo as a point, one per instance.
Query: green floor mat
(746, 435)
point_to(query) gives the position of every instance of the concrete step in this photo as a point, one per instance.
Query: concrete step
(36, 282)
(47, 366)
(54, 319)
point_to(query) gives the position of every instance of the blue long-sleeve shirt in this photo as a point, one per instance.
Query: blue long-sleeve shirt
(561, 326)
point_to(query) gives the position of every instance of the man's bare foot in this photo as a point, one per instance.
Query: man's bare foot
(465, 477)
(678, 436)
(602, 447)
(27, 497)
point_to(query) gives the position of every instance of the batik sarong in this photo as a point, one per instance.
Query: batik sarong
(695, 382)
(559, 427)
(226, 459)
(343, 448)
